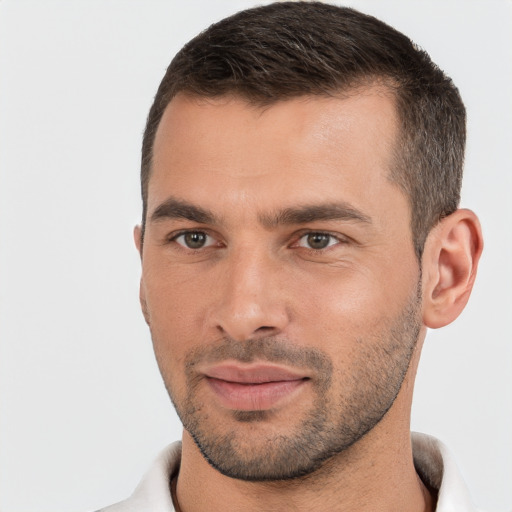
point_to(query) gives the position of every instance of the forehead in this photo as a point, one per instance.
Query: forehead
(300, 150)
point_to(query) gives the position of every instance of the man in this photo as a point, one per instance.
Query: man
(301, 172)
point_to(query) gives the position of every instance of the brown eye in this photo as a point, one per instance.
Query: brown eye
(318, 240)
(194, 240)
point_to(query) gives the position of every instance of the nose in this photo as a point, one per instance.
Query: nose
(251, 303)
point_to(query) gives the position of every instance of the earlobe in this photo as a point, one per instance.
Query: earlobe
(143, 303)
(450, 261)
(137, 238)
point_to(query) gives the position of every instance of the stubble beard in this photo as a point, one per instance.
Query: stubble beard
(338, 418)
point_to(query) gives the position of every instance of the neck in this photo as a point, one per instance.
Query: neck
(376, 473)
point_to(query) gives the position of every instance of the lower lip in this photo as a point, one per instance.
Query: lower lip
(253, 397)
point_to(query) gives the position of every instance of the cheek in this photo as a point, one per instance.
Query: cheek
(339, 310)
(174, 308)
(172, 292)
(330, 307)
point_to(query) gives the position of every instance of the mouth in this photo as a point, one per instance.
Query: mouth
(255, 387)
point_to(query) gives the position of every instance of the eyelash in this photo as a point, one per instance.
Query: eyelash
(174, 237)
(337, 237)
(339, 240)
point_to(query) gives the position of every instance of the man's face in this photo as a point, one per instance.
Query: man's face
(279, 276)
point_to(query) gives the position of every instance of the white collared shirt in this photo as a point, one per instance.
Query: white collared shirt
(432, 460)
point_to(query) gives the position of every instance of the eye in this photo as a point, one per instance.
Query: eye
(317, 241)
(194, 240)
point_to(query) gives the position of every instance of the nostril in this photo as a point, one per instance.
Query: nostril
(244, 320)
(264, 329)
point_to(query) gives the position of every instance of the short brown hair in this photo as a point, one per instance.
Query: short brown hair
(289, 49)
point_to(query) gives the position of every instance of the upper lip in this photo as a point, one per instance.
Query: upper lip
(256, 373)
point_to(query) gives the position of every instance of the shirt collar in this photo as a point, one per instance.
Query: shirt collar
(436, 467)
(432, 461)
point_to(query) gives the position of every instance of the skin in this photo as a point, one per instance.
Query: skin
(256, 282)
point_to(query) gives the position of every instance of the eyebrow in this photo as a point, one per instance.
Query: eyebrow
(174, 208)
(312, 213)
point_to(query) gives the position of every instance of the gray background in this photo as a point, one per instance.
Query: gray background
(82, 408)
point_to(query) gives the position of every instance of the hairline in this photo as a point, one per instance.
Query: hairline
(383, 83)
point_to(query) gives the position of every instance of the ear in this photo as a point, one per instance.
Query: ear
(449, 263)
(137, 237)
